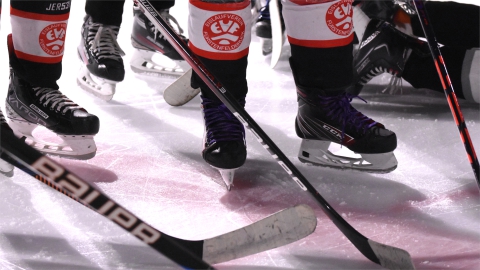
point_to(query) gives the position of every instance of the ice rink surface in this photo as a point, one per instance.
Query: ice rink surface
(149, 161)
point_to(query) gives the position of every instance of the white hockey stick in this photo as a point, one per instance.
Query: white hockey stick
(180, 92)
(277, 34)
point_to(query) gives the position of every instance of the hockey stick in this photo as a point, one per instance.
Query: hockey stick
(180, 91)
(447, 85)
(281, 228)
(387, 256)
(277, 33)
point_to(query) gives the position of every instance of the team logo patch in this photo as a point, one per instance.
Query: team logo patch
(224, 32)
(339, 17)
(52, 38)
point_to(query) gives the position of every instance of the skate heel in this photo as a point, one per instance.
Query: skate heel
(21, 127)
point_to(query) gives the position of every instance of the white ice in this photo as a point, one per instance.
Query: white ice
(149, 161)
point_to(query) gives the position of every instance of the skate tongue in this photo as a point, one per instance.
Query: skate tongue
(227, 176)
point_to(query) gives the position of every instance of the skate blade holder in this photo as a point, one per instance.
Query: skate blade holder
(329, 154)
(102, 88)
(71, 146)
(74, 146)
(156, 64)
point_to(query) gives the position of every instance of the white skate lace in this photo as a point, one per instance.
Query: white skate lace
(2, 118)
(103, 41)
(168, 19)
(55, 99)
(395, 85)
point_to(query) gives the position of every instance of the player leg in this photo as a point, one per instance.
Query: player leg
(35, 53)
(220, 36)
(153, 54)
(321, 39)
(101, 55)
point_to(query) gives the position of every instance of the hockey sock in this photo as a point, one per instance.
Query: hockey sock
(220, 33)
(321, 40)
(37, 40)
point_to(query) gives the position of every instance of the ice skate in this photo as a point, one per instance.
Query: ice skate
(29, 107)
(154, 55)
(384, 49)
(5, 167)
(101, 55)
(264, 27)
(224, 140)
(325, 122)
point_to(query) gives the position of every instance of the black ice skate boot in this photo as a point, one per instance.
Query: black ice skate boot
(224, 139)
(102, 60)
(383, 49)
(29, 106)
(326, 118)
(5, 167)
(154, 55)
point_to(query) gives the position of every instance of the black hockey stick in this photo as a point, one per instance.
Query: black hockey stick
(447, 85)
(281, 228)
(387, 256)
(55, 175)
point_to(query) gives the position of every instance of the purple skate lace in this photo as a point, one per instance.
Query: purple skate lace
(339, 108)
(220, 123)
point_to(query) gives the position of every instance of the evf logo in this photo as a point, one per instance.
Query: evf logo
(81, 190)
(52, 38)
(224, 32)
(339, 17)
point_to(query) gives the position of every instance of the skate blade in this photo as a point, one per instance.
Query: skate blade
(266, 46)
(156, 64)
(227, 176)
(101, 88)
(6, 168)
(320, 153)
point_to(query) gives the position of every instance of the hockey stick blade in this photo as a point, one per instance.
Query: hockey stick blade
(180, 92)
(447, 86)
(394, 258)
(279, 229)
(277, 35)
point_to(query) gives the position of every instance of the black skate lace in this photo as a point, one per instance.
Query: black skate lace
(55, 100)
(102, 40)
(265, 12)
(339, 108)
(220, 123)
